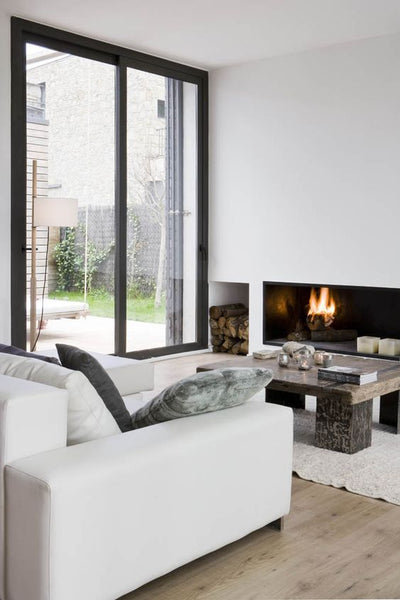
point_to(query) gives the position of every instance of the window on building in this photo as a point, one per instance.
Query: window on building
(161, 109)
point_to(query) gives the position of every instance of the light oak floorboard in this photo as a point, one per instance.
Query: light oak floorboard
(335, 544)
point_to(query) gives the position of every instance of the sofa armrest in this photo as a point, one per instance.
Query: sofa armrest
(130, 376)
(33, 419)
(104, 517)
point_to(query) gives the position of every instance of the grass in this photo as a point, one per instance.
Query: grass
(101, 304)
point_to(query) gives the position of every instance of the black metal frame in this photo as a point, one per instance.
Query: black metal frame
(23, 32)
(174, 209)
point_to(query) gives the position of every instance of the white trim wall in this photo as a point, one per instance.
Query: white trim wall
(304, 165)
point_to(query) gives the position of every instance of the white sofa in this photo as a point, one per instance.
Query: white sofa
(98, 519)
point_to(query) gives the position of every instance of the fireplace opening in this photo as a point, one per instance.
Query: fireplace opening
(329, 317)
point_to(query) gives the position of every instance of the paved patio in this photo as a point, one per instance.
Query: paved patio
(97, 334)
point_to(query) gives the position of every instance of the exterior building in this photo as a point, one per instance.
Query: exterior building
(72, 98)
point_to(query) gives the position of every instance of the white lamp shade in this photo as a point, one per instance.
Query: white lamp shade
(55, 212)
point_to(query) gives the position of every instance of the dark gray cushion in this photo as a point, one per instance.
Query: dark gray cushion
(19, 352)
(201, 393)
(79, 360)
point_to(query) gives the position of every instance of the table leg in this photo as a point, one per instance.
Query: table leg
(389, 411)
(285, 398)
(343, 427)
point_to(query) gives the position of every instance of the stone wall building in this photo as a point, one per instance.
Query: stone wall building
(78, 103)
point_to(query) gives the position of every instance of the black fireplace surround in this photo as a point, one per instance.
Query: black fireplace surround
(371, 311)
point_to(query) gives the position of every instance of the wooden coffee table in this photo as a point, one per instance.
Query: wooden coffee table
(344, 411)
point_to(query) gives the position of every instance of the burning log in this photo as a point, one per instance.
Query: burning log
(321, 314)
(321, 311)
(319, 322)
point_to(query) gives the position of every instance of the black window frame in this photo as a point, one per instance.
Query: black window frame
(23, 32)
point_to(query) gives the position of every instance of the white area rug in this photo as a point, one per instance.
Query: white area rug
(373, 472)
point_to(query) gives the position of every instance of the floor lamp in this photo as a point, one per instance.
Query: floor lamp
(46, 212)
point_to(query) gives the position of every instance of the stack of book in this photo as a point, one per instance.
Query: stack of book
(347, 375)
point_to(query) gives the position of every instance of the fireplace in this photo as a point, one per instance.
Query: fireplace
(330, 314)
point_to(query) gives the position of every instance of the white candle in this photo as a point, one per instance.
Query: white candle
(368, 344)
(389, 346)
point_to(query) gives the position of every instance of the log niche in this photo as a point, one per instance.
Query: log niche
(229, 326)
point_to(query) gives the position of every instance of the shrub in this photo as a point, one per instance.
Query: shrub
(69, 256)
(139, 284)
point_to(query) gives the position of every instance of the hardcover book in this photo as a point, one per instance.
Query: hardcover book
(347, 375)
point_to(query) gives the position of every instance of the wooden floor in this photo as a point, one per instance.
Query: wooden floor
(335, 545)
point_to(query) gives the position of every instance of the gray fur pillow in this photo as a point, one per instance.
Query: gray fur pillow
(204, 392)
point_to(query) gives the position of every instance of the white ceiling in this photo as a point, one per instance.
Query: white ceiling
(216, 33)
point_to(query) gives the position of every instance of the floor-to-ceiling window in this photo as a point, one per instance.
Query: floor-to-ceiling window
(70, 129)
(124, 134)
(162, 209)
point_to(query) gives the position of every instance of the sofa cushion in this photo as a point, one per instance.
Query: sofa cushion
(88, 417)
(204, 392)
(74, 358)
(19, 352)
(130, 376)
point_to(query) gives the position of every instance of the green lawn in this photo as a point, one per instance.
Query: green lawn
(101, 304)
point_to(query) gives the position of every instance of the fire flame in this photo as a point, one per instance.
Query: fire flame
(322, 306)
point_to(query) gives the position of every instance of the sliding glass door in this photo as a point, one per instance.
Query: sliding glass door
(161, 211)
(70, 129)
(125, 134)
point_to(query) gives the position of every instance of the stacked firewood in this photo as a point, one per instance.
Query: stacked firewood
(229, 325)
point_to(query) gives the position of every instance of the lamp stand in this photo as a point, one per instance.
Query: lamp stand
(33, 319)
(46, 212)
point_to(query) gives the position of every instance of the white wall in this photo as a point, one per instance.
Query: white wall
(305, 153)
(305, 178)
(4, 178)
(228, 292)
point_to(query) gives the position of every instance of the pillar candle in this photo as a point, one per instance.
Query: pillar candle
(389, 346)
(368, 344)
